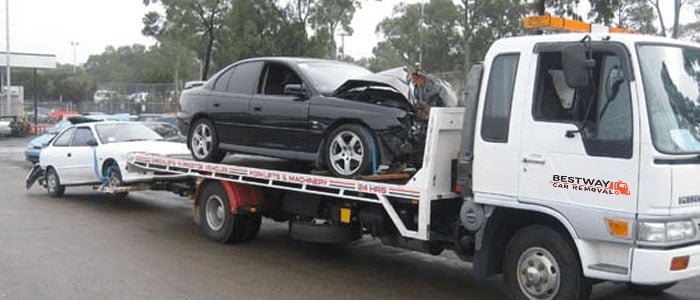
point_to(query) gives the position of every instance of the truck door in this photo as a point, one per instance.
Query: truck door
(577, 145)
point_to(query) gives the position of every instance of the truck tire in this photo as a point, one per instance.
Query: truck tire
(539, 263)
(203, 141)
(649, 289)
(217, 221)
(348, 151)
(53, 184)
(114, 179)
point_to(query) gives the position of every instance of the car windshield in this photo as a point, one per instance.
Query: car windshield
(671, 76)
(59, 126)
(319, 73)
(125, 132)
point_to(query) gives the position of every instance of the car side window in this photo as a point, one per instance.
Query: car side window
(604, 110)
(63, 140)
(245, 78)
(499, 97)
(81, 137)
(277, 76)
(221, 84)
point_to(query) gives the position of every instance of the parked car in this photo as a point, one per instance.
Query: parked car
(140, 97)
(193, 84)
(336, 114)
(96, 153)
(36, 144)
(104, 95)
(168, 131)
(58, 114)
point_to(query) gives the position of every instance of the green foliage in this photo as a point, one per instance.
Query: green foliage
(61, 83)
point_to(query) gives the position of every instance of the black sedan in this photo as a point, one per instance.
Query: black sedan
(338, 115)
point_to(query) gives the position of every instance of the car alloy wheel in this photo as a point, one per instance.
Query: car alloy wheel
(202, 141)
(51, 182)
(346, 153)
(538, 274)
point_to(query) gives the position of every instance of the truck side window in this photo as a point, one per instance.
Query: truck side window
(499, 97)
(608, 116)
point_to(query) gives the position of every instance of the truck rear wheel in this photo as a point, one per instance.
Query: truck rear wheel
(540, 264)
(217, 221)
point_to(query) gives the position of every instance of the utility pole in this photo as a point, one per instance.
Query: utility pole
(75, 47)
(420, 49)
(342, 44)
(7, 56)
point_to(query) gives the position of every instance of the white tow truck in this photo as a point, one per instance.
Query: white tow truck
(576, 160)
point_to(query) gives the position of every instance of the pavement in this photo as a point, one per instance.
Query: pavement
(85, 246)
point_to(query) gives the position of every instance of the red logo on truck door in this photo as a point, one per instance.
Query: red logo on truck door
(593, 185)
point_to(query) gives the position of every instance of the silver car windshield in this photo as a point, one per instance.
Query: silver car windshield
(671, 76)
(328, 76)
(125, 132)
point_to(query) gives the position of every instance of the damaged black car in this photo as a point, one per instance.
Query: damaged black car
(343, 117)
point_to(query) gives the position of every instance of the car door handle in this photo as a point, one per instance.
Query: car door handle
(69, 155)
(216, 104)
(257, 108)
(534, 159)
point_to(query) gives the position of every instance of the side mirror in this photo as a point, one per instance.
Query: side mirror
(295, 90)
(92, 142)
(576, 66)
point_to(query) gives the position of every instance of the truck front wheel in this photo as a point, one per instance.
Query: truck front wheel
(217, 221)
(540, 264)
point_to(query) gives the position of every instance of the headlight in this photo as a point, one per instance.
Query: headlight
(665, 231)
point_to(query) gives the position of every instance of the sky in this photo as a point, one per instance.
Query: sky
(49, 26)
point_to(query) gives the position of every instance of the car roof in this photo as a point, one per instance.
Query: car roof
(292, 59)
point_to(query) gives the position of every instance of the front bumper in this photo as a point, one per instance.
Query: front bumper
(652, 266)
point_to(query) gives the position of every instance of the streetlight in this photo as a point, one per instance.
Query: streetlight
(75, 47)
(7, 58)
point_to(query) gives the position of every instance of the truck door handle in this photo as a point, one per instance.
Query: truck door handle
(534, 159)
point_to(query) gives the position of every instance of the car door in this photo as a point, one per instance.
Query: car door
(57, 155)
(281, 119)
(82, 160)
(230, 105)
(563, 166)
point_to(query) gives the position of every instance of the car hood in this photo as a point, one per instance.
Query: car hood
(39, 141)
(394, 78)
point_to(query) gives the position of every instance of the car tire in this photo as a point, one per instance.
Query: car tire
(217, 221)
(649, 289)
(114, 179)
(203, 142)
(539, 263)
(53, 183)
(348, 151)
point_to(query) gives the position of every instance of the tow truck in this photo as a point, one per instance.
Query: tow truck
(574, 161)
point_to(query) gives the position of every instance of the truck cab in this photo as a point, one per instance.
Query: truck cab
(589, 141)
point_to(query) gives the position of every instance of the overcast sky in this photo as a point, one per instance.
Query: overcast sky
(49, 26)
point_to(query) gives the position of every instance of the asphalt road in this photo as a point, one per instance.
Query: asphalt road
(84, 246)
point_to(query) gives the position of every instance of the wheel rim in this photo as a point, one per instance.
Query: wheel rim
(201, 143)
(346, 153)
(114, 180)
(538, 274)
(215, 212)
(51, 182)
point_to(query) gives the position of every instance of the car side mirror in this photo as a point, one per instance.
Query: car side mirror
(576, 66)
(295, 90)
(92, 142)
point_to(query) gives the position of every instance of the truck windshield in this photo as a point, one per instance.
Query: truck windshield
(671, 76)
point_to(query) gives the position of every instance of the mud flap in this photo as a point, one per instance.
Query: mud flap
(35, 174)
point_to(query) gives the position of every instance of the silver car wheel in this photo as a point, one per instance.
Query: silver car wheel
(538, 274)
(202, 141)
(51, 182)
(215, 212)
(346, 153)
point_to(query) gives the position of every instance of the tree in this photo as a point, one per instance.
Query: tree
(201, 19)
(327, 15)
(637, 15)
